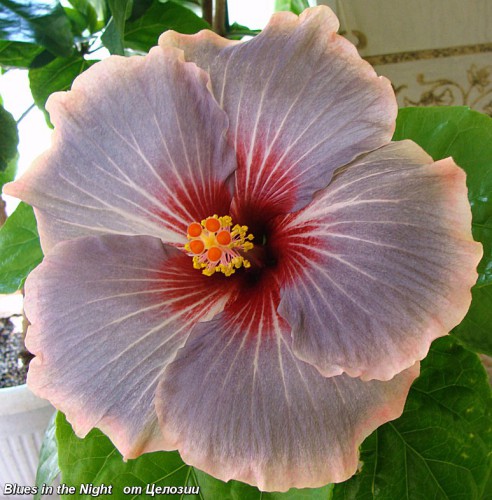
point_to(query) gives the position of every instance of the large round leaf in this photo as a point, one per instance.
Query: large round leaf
(94, 460)
(9, 138)
(43, 22)
(440, 447)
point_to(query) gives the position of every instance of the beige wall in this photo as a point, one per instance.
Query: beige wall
(435, 52)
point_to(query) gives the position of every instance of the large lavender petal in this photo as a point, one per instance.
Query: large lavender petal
(108, 314)
(301, 103)
(237, 403)
(139, 148)
(379, 264)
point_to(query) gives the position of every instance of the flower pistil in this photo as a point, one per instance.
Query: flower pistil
(217, 246)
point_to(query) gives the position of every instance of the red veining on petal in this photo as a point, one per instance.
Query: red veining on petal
(263, 188)
(186, 289)
(189, 200)
(294, 245)
(255, 310)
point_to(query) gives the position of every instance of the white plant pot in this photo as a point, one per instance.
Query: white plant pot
(23, 421)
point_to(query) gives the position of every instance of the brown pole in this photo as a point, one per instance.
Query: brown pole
(207, 11)
(220, 20)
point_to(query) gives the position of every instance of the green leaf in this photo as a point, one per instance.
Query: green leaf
(212, 488)
(48, 468)
(18, 54)
(440, 447)
(78, 21)
(42, 59)
(139, 7)
(237, 31)
(56, 76)
(20, 251)
(193, 5)
(488, 489)
(43, 22)
(93, 10)
(143, 33)
(94, 460)
(8, 174)
(465, 135)
(113, 36)
(475, 331)
(9, 138)
(295, 6)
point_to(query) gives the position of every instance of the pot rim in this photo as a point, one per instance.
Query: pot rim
(18, 399)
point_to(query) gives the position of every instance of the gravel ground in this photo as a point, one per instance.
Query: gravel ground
(14, 358)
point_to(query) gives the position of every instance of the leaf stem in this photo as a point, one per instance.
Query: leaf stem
(26, 112)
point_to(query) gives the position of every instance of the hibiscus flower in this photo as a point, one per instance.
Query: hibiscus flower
(239, 263)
